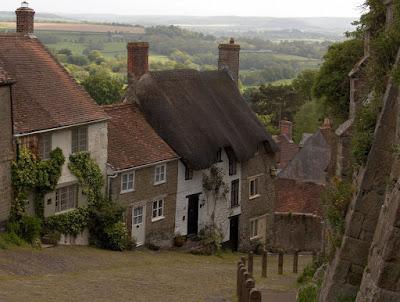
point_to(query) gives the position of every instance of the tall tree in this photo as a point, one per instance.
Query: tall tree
(103, 89)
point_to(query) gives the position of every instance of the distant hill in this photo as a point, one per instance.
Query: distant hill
(266, 27)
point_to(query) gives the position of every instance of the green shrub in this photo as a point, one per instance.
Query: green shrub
(31, 227)
(117, 236)
(10, 239)
(102, 225)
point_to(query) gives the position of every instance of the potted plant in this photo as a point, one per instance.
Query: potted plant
(179, 239)
(131, 243)
(275, 248)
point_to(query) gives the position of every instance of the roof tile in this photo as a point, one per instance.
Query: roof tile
(45, 96)
(131, 140)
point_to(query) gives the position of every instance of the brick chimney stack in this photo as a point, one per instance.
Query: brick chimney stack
(286, 128)
(138, 60)
(229, 58)
(25, 19)
(326, 129)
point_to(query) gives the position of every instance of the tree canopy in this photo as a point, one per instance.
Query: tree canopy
(103, 89)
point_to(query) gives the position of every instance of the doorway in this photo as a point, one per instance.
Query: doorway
(193, 215)
(234, 232)
(138, 224)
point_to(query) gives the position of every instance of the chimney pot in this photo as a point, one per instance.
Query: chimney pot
(25, 19)
(138, 60)
(229, 58)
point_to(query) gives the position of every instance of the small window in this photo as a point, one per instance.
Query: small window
(253, 187)
(235, 193)
(188, 173)
(253, 228)
(219, 155)
(158, 209)
(127, 182)
(45, 146)
(258, 149)
(66, 198)
(160, 174)
(80, 139)
(232, 167)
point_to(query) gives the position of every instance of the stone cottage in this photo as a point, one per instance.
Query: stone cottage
(299, 189)
(6, 150)
(142, 175)
(204, 119)
(50, 109)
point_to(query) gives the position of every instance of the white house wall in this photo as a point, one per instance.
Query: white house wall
(223, 208)
(97, 145)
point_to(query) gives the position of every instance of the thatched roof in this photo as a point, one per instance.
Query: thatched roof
(197, 113)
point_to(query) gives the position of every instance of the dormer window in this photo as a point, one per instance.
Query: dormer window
(232, 167)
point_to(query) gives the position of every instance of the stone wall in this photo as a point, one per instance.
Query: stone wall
(6, 154)
(161, 232)
(298, 231)
(344, 274)
(262, 206)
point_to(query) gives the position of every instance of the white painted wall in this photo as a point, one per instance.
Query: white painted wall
(222, 208)
(97, 145)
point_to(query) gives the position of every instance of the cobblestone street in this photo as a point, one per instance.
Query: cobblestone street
(72, 273)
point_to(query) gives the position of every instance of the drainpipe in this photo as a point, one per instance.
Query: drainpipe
(109, 177)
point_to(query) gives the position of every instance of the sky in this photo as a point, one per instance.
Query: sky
(266, 8)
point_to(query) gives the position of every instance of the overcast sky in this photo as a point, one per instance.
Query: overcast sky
(269, 8)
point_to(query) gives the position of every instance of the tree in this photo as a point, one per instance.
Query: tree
(332, 83)
(65, 51)
(307, 119)
(103, 89)
(277, 100)
(304, 83)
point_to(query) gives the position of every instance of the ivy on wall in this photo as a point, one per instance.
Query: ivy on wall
(103, 218)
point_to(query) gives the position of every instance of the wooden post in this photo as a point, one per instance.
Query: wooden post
(241, 281)
(295, 261)
(264, 265)
(250, 264)
(255, 295)
(249, 286)
(243, 258)
(243, 295)
(280, 263)
(240, 265)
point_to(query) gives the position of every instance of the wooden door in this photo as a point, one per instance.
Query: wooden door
(138, 223)
(193, 215)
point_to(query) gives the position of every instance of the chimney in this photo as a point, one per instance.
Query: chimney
(25, 19)
(326, 129)
(286, 128)
(138, 60)
(229, 58)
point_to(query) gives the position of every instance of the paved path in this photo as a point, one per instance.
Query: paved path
(278, 297)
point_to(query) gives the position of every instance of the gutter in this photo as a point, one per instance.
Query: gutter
(62, 127)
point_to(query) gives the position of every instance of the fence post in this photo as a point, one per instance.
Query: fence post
(295, 261)
(280, 263)
(243, 258)
(264, 264)
(242, 271)
(250, 264)
(243, 295)
(240, 265)
(249, 285)
(255, 295)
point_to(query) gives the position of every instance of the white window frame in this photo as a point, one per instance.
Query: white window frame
(254, 228)
(137, 216)
(256, 186)
(127, 179)
(45, 146)
(79, 139)
(157, 209)
(68, 194)
(161, 175)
